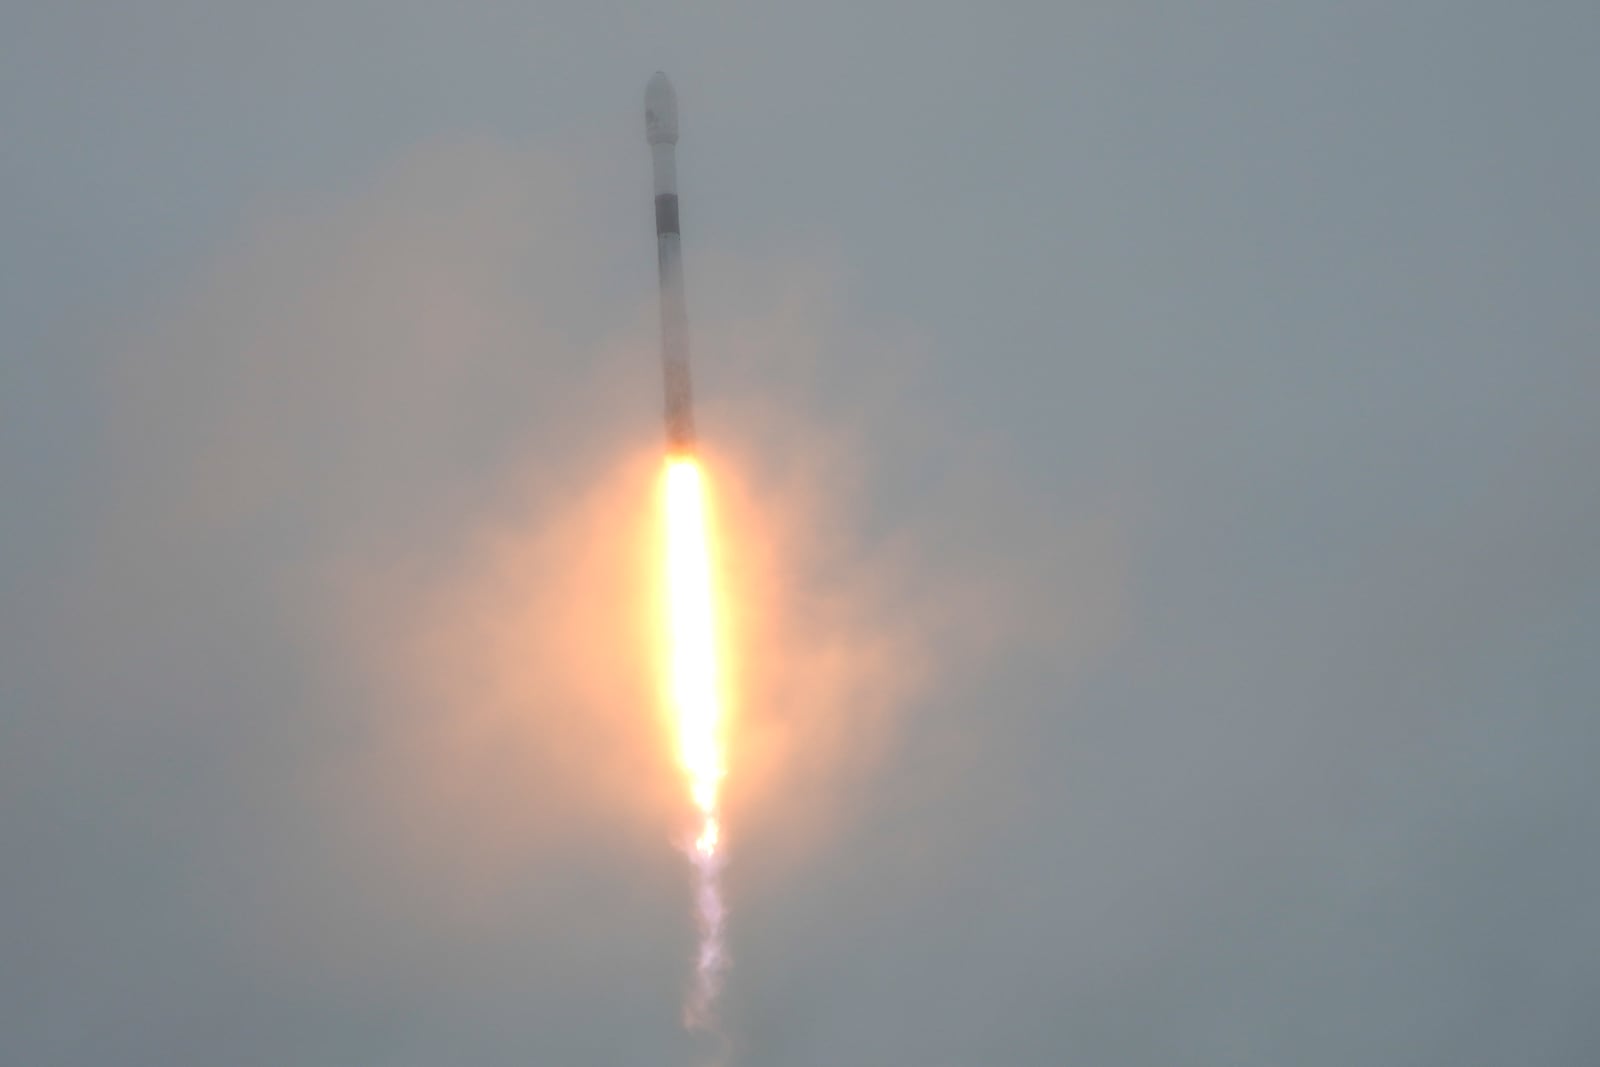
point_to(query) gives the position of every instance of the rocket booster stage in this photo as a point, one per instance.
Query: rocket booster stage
(661, 130)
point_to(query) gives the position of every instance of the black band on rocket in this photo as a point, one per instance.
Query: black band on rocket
(667, 213)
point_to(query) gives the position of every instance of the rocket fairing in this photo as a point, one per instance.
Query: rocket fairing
(661, 130)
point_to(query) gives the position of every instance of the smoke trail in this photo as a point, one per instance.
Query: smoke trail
(711, 960)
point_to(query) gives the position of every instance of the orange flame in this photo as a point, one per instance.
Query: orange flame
(696, 706)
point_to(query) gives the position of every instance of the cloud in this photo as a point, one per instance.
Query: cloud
(378, 568)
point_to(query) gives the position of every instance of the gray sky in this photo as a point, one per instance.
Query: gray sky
(1161, 444)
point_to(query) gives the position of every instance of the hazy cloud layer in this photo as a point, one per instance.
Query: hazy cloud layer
(1153, 449)
(375, 581)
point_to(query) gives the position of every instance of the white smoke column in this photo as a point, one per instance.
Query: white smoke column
(712, 959)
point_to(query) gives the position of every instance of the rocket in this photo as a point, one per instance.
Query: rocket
(661, 130)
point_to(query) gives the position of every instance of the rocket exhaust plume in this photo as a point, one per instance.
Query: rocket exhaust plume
(693, 690)
(696, 711)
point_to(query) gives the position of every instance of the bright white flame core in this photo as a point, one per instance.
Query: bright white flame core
(696, 709)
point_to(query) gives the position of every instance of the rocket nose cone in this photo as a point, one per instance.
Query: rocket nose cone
(660, 111)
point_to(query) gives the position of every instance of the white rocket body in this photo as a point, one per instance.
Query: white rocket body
(661, 130)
